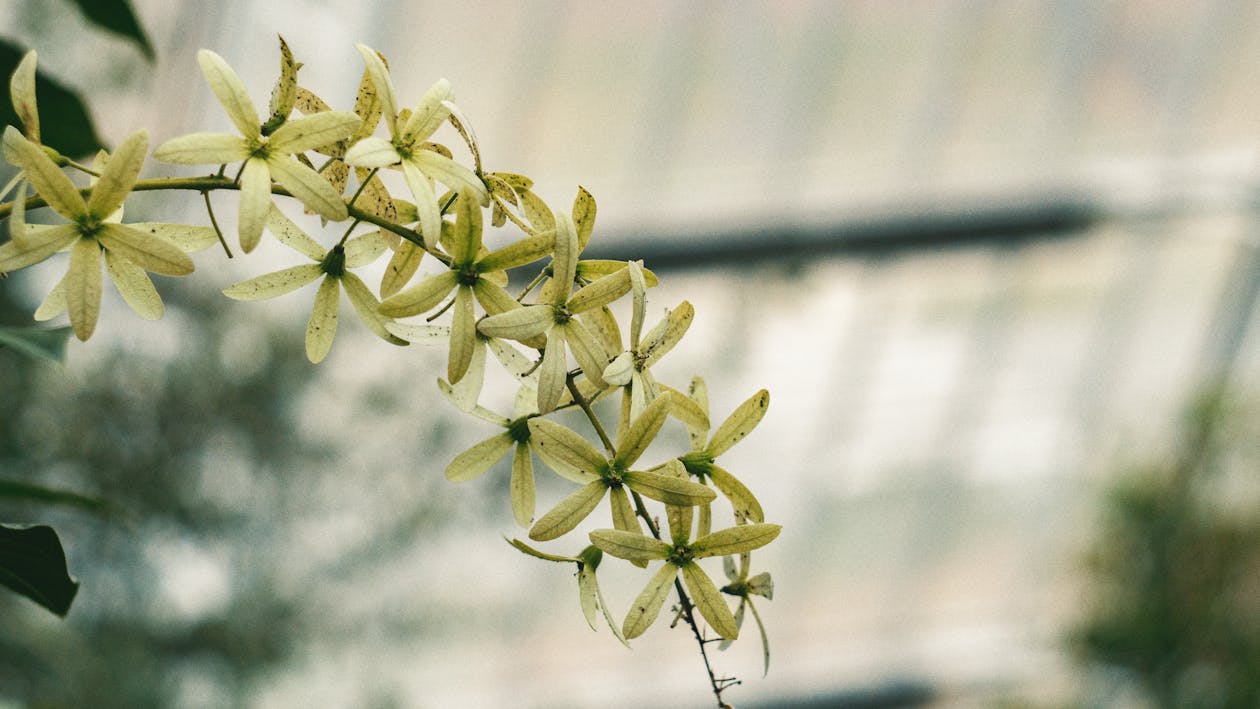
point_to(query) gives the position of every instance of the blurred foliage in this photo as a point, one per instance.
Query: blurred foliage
(1176, 570)
(147, 434)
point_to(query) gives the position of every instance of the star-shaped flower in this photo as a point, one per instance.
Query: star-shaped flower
(556, 320)
(701, 461)
(744, 588)
(473, 273)
(406, 147)
(572, 457)
(588, 587)
(332, 265)
(680, 557)
(267, 156)
(127, 251)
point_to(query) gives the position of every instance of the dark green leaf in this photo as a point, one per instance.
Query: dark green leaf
(116, 16)
(36, 342)
(64, 123)
(33, 564)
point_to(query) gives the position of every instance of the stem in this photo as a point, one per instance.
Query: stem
(215, 223)
(590, 414)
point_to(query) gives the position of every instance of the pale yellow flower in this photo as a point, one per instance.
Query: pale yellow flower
(265, 157)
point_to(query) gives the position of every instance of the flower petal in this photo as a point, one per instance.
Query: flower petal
(310, 132)
(426, 203)
(145, 250)
(368, 308)
(322, 327)
(38, 245)
(422, 297)
(54, 303)
(569, 512)
(428, 114)
(709, 601)
(451, 174)
(47, 179)
(567, 453)
(648, 604)
(642, 432)
(478, 459)
(583, 216)
(564, 267)
(735, 540)
(202, 149)
(601, 292)
(517, 253)
(270, 285)
(463, 335)
(83, 287)
(553, 372)
(631, 546)
(384, 86)
(522, 485)
(402, 266)
(119, 175)
(663, 337)
(307, 185)
(372, 152)
(667, 488)
(255, 202)
(187, 237)
(365, 248)
(227, 86)
(134, 286)
(740, 423)
(519, 323)
(742, 500)
(22, 94)
(586, 350)
(291, 235)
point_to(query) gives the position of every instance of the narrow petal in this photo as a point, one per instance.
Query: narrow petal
(419, 334)
(54, 303)
(365, 248)
(83, 287)
(368, 308)
(603, 606)
(463, 335)
(685, 409)
(422, 297)
(203, 149)
(372, 152)
(631, 546)
(583, 216)
(384, 86)
(735, 540)
(587, 593)
(227, 86)
(22, 94)
(310, 132)
(478, 459)
(564, 267)
(466, 239)
(709, 601)
(648, 604)
(740, 423)
(565, 451)
(601, 292)
(517, 254)
(17, 217)
(642, 432)
(623, 515)
(322, 327)
(553, 372)
(451, 174)
(639, 288)
(402, 266)
(271, 285)
(666, 488)
(493, 297)
(119, 175)
(291, 235)
(663, 338)
(468, 390)
(47, 179)
(745, 505)
(307, 185)
(519, 323)
(134, 286)
(428, 114)
(569, 513)
(145, 250)
(522, 485)
(426, 203)
(188, 237)
(586, 350)
(255, 202)
(38, 245)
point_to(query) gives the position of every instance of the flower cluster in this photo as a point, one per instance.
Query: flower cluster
(560, 337)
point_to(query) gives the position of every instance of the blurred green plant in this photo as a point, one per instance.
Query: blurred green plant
(1175, 573)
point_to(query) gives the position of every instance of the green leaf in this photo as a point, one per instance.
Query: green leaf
(33, 564)
(116, 16)
(65, 124)
(36, 342)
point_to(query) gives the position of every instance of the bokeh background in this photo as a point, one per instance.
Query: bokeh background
(997, 263)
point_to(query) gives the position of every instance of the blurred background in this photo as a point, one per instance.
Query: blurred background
(996, 262)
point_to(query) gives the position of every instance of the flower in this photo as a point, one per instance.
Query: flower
(331, 264)
(265, 157)
(745, 588)
(22, 94)
(556, 319)
(127, 250)
(479, 458)
(701, 461)
(588, 587)
(572, 457)
(473, 273)
(406, 147)
(631, 369)
(680, 557)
